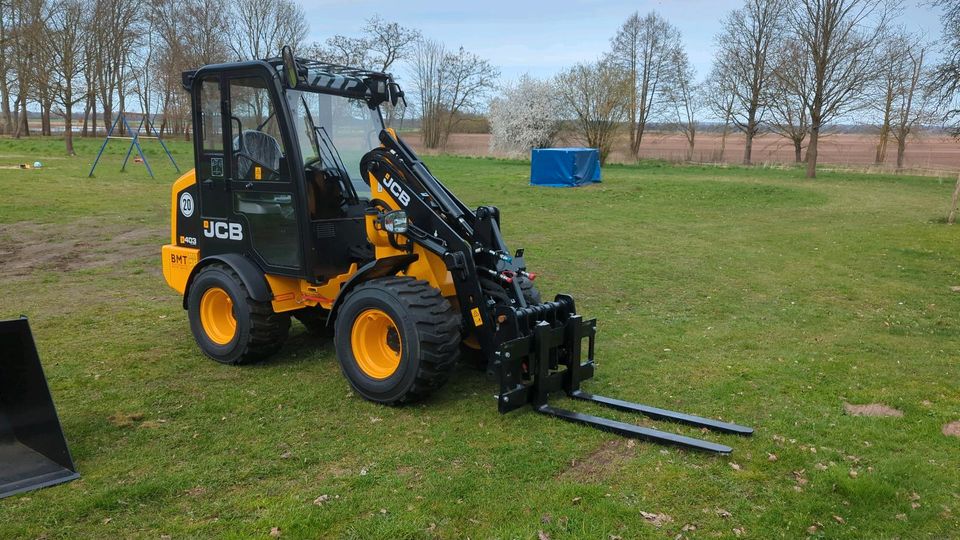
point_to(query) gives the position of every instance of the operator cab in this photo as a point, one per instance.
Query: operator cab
(278, 155)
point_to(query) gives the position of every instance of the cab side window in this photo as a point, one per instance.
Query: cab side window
(258, 152)
(212, 130)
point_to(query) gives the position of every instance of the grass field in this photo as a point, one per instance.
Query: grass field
(753, 295)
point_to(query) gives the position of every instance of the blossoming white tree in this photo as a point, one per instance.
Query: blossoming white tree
(524, 116)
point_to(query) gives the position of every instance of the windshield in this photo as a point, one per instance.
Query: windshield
(348, 125)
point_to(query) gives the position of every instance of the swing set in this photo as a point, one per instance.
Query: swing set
(151, 134)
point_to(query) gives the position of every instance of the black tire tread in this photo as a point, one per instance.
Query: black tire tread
(438, 325)
(268, 330)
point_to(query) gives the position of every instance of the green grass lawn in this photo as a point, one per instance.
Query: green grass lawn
(751, 295)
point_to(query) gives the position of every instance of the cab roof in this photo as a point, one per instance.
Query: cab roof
(375, 87)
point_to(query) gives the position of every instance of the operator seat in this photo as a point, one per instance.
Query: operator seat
(324, 196)
(261, 147)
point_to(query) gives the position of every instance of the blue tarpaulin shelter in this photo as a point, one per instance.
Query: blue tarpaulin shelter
(564, 167)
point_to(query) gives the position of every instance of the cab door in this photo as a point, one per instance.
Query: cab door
(263, 192)
(210, 144)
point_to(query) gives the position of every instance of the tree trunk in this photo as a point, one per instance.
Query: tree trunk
(750, 132)
(23, 125)
(953, 203)
(881, 155)
(901, 150)
(748, 147)
(45, 127)
(121, 127)
(6, 121)
(16, 116)
(884, 128)
(86, 119)
(797, 151)
(812, 151)
(68, 129)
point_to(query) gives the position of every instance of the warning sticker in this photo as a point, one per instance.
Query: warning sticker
(477, 319)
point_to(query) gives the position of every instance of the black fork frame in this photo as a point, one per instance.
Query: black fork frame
(548, 357)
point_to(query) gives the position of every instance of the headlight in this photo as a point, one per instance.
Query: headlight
(395, 222)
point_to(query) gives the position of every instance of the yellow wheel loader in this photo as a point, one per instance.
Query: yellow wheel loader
(302, 204)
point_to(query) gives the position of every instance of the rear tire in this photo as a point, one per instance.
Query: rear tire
(228, 325)
(397, 339)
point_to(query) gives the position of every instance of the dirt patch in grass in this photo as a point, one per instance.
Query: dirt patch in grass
(952, 429)
(600, 463)
(124, 420)
(871, 409)
(27, 247)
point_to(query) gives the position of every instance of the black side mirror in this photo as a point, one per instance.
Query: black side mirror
(395, 93)
(290, 68)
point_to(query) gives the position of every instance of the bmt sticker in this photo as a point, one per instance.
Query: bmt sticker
(186, 204)
(178, 259)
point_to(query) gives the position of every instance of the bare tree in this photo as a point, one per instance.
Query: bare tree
(389, 42)
(839, 36)
(642, 48)
(343, 50)
(67, 44)
(915, 102)
(449, 83)
(946, 77)
(6, 119)
(743, 53)
(116, 31)
(190, 34)
(683, 98)
(891, 59)
(27, 21)
(262, 27)
(788, 101)
(427, 78)
(595, 97)
(718, 99)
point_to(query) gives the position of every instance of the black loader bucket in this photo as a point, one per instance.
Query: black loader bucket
(33, 452)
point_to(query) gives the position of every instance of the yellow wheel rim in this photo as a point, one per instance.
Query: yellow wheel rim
(216, 315)
(376, 344)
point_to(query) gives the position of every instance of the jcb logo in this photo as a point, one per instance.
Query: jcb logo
(223, 230)
(402, 197)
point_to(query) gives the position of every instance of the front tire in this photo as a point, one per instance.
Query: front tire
(228, 325)
(397, 339)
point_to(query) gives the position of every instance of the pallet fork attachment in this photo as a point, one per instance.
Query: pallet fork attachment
(547, 356)
(33, 451)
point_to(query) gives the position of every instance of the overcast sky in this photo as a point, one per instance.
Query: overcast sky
(542, 37)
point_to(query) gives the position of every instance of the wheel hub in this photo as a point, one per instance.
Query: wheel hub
(376, 344)
(216, 316)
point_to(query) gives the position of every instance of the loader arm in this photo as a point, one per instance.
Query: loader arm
(532, 350)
